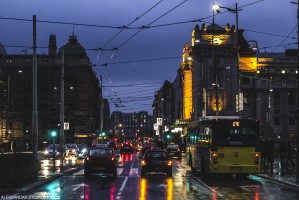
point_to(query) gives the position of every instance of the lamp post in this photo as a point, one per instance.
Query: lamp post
(234, 10)
(7, 108)
(296, 111)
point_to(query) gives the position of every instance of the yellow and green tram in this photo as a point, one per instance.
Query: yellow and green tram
(224, 145)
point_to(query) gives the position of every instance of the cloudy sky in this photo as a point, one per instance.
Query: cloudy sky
(146, 57)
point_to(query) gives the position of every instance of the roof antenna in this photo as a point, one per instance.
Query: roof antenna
(73, 30)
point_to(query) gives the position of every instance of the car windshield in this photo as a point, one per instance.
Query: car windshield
(172, 146)
(101, 152)
(51, 146)
(71, 146)
(156, 154)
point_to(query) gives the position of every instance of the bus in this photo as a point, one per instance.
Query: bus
(224, 145)
(90, 139)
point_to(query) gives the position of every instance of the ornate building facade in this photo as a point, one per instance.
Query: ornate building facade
(83, 94)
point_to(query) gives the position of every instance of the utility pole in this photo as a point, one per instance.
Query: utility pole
(296, 111)
(61, 138)
(34, 95)
(7, 108)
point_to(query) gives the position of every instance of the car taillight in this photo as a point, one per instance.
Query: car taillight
(87, 158)
(112, 158)
(143, 162)
(178, 150)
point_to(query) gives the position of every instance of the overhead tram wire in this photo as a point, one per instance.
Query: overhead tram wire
(285, 38)
(137, 18)
(143, 27)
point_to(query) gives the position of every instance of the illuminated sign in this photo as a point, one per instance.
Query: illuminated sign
(81, 136)
(236, 124)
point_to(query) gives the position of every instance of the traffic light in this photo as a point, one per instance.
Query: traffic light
(168, 136)
(103, 133)
(53, 133)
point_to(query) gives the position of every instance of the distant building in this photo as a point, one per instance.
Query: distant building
(129, 126)
(82, 92)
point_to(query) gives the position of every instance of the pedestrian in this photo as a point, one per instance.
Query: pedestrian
(269, 155)
(289, 156)
(282, 153)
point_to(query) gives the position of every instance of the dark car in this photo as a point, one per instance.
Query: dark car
(126, 147)
(156, 161)
(174, 151)
(72, 149)
(146, 146)
(50, 150)
(100, 160)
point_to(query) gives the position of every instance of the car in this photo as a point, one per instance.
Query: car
(82, 150)
(146, 146)
(50, 150)
(72, 149)
(174, 151)
(156, 161)
(100, 160)
(101, 145)
(126, 147)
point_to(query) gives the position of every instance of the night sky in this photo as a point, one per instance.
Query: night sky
(145, 57)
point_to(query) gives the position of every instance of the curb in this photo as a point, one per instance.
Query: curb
(291, 184)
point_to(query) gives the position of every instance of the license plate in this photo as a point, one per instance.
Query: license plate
(126, 147)
(99, 168)
(171, 153)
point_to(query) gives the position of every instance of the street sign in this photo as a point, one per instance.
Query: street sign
(159, 121)
(66, 126)
(157, 132)
(155, 126)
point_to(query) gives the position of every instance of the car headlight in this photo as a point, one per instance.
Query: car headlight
(143, 163)
(74, 151)
(46, 151)
(84, 150)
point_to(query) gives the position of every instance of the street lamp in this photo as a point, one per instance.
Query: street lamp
(234, 10)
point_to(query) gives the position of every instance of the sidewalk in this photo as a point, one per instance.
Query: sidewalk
(40, 180)
(281, 176)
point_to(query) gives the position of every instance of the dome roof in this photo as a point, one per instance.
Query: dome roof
(2, 50)
(73, 48)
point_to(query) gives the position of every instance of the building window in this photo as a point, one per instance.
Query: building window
(277, 121)
(291, 98)
(276, 98)
(291, 121)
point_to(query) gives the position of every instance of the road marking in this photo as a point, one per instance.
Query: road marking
(123, 185)
(77, 186)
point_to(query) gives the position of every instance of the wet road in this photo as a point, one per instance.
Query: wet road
(183, 185)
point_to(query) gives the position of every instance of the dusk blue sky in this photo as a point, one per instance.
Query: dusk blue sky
(269, 22)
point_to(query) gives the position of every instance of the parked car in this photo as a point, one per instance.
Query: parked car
(126, 147)
(82, 150)
(100, 160)
(50, 150)
(174, 151)
(156, 161)
(72, 149)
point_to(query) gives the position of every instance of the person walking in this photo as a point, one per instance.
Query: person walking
(289, 156)
(282, 154)
(269, 155)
